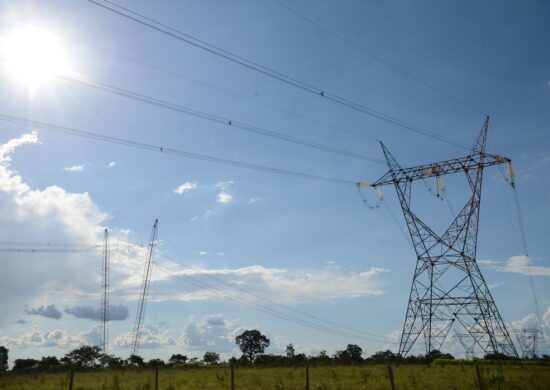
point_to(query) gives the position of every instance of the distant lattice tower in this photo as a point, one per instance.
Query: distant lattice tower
(528, 340)
(468, 343)
(448, 287)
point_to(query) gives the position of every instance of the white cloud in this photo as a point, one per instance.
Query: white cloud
(47, 215)
(151, 336)
(57, 338)
(111, 164)
(203, 253)
(254, 200)
(522, 265)
(185, 187)
(224, 185)
(488, 263)
(212, 333)
(224, 197)
(289, 286)
(74, 168)
(220, 254)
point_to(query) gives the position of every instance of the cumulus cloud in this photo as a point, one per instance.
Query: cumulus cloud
(289, 286)
(522, 265)
(224, 197)
(111, 164)
(49, 215)
(212, 333)
(49, 311)
(488, 263)
(57, 338)
(151, 336)
(116, 312)
(74, 168)
(185, 187)
(224, 185)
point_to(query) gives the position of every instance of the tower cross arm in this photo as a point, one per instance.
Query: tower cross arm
(445, 167)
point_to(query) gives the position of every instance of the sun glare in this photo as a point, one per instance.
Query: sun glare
(33, 56)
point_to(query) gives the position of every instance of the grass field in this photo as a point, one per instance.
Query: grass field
(459, 376)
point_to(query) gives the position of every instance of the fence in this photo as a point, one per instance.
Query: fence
(391, 383)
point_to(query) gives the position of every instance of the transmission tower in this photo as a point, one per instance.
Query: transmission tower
(105, 293)
(528, 340)
(140, 313)
(468, 343)
(448, 286)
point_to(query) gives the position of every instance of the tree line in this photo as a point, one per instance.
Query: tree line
(252, 344)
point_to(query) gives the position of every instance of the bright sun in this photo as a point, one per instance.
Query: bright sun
(33, 56)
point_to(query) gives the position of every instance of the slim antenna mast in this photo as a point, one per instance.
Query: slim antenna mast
(105, 294)
(448, 287)
(140, 314)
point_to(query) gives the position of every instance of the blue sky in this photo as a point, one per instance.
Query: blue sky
(312, 246)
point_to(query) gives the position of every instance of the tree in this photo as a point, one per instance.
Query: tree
(436, 354)
(111, 361)
(84, 357)
(290, 351)
(49, 363)
(383, 356)
(135, 360)
(155, 363)
(3, 359)
(211, 358)
(177, 359)
(352, 354)
(252, 343)
(24, 365)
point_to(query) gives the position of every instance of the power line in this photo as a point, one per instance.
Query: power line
(186, 38)
(171, 151)
(378, 58)
(286, 307)
(217, 119)
(267, 310)
(213, 87)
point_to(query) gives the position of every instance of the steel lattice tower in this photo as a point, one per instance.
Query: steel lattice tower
(105, 294)
(448, 287)
(465, 339)
(528, 340)
(140, 313)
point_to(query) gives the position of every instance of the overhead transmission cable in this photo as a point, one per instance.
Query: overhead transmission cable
(215, 88)
(215, 118)
(170, 151)
(267, 310)
(287, 307)
(523, 239)
(378, 58)
(186, 38)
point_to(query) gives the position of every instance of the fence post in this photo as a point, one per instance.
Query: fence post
(232, 374)
(390, 374)
(478, 374)
(71, 379)
(156, 378)
(307, 376)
